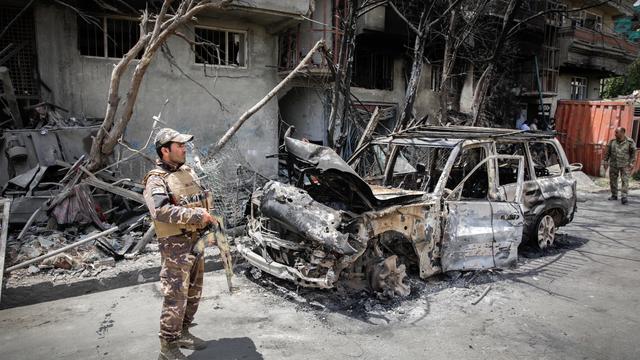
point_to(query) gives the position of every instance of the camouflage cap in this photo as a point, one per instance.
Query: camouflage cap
(166, 135)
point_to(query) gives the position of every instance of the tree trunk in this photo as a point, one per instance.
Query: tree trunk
(346, 87)
(447, 64)
(412, 90)
(488, 75)
(342, 70)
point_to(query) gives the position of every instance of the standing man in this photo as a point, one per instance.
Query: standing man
(176, 202)
(621, 156)
(520, 119)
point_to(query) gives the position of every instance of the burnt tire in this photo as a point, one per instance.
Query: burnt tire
(388, 278)
(543, 235)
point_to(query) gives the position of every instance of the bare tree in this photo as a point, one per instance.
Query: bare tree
(166, 23)
(343, 71)
(489, 72)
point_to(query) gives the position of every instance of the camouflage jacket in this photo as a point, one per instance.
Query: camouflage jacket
(157, 196)
(621, 153)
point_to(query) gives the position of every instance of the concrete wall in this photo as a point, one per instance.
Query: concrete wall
(320, 28)
(564, 86)
(427, 102)
(303, 108)
(564, 89)
(80, 84)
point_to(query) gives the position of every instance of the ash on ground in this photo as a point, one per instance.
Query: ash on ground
(458, 287)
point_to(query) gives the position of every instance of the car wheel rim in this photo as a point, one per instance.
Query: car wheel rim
(546, 231)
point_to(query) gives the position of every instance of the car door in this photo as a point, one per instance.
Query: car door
(483, 233)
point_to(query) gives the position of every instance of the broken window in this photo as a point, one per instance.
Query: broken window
(508, 170)
(546, 159)
(107, 37)
(373, 70)
(578, 88)
(416, 168)
(477, 186)
(220, 47)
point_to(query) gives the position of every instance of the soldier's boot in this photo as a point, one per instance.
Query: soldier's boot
(170, 350)
(613, 197)
(624, 201)
(190, 341)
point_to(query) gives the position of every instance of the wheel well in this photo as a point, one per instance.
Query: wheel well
(395, 243)
(531, 233)
(557, 214)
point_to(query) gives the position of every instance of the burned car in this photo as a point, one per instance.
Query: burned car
(456, 199)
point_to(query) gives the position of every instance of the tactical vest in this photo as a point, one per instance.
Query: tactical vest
(183, 191)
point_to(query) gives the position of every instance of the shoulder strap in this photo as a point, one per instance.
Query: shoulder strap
(155, 172)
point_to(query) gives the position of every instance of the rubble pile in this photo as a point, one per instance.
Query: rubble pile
(84, 260)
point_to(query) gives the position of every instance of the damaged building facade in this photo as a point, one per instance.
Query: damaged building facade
(575, 52)
(71, 59)
(67, 61)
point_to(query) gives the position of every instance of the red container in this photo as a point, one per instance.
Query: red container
(585, 128)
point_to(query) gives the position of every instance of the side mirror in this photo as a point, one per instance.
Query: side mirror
(575, 167)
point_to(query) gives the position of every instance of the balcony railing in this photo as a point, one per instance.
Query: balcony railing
(601, 40)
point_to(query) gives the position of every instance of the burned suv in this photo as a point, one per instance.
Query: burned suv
(458, 198)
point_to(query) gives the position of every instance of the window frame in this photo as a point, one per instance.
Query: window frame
(635, 131)
(226, 31)
(560, 159)
(573, 84)
(580, 20)
(105, 38)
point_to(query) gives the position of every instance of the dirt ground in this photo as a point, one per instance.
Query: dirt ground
(580, 300)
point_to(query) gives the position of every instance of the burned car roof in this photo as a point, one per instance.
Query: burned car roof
(448, 136)
(416, 141)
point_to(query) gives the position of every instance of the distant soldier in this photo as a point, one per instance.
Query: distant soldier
(176, 203)
(620, 156)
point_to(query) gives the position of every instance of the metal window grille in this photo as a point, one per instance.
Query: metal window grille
(121, 36)
(19, 55)
(373, 70)
(220, 47)
(578, 88)
(106, 36)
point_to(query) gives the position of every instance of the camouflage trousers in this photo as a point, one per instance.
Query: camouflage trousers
(181, 280)
(614, 172)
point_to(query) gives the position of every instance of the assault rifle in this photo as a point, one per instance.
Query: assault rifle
(215, 232)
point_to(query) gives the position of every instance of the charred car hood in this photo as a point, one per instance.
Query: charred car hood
(336, 176)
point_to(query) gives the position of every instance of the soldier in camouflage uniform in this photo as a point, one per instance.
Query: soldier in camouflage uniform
(620, 156)
(175, 201)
